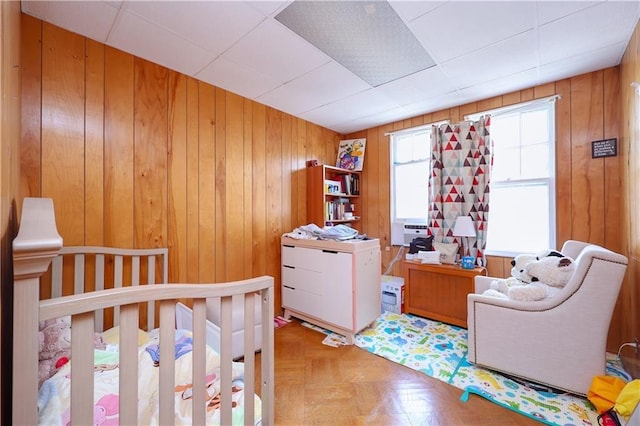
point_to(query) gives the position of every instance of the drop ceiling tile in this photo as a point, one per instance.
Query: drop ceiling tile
(505, 84)
(323, 85)
(363, 104)
(458, 28)
(589, 29)
(418, 86)
(269, 8)
(212, 25)
(141, 38)
(586, 62)
(552, 10)
(276, 51)
(93, 19)
(411, 10)
(238, 79)
(437, 103)
(499, 60)
(374, 120)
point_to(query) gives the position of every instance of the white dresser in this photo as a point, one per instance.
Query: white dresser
(335, 285)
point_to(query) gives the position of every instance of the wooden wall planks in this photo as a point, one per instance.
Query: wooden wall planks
(10, 177)
(629, 151)
(63, 91)
(137, 155)
(118, 148)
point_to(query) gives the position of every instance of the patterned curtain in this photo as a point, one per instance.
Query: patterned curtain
(461, 159)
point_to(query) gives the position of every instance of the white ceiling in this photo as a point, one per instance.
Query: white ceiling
(481, 49)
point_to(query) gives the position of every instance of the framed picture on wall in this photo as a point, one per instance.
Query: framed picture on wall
(351, 154)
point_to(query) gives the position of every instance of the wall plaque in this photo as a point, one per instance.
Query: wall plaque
(604, 148)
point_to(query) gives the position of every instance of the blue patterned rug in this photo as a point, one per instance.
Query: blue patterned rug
(440, 351)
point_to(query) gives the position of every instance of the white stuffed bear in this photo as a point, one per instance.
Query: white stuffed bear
(552, 271)
(500, 288)
(516, 289)
(528, 274)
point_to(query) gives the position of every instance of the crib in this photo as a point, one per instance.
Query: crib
(138, 297)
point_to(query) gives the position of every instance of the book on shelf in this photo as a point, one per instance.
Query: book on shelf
(351, 184)
(337, 211)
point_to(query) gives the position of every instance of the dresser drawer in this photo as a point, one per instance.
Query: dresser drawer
(310, 259)
(302, 279)
(302, 301)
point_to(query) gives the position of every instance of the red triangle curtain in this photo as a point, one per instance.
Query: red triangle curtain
(461, 160)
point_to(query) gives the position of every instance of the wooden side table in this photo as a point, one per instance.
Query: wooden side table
(439, 292)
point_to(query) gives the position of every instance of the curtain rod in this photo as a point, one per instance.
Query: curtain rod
(414, 129)
(493, 112)
(505, 109)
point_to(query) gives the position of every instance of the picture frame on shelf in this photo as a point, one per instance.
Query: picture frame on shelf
(332, 186)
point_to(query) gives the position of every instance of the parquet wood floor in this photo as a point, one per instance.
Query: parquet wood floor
(316, 384)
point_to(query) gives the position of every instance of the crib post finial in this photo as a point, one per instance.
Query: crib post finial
(37, 241)
(36, 244)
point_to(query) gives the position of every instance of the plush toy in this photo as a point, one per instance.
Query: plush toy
(517, 289)
(552, 271)
(55, 346)
(518, 263)
(531, 275)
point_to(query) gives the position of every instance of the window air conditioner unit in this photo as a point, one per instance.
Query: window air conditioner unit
(403, 233)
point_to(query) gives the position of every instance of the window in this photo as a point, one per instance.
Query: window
(410, 175)
(522, 200)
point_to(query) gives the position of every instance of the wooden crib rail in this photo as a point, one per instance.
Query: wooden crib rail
(135, 274)
(81, 308)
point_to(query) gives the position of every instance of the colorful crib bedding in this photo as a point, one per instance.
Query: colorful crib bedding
(54, 394)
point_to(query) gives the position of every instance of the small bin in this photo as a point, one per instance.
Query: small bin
(392, 294)
(468, 262)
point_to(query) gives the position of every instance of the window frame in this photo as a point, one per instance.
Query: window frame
(549, 181)
(392, 170)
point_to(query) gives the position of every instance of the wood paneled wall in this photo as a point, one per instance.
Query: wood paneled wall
(589, 191)
(630, 164)
(136, 155)
(9, 184)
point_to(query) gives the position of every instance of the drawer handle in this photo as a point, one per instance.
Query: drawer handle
(287, 245)
(287, 266)
(330, 251)
(290, 288)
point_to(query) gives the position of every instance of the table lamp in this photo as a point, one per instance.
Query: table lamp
(464, 228)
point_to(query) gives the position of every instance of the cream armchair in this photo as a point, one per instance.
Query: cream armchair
(559, 341)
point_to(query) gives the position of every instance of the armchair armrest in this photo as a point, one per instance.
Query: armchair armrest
(482, 283)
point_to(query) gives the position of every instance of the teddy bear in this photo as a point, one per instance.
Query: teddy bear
(531, 276)
(54, 346)
(552, 271)
(521, 260)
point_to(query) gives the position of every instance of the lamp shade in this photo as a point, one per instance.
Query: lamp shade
(464, 227)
